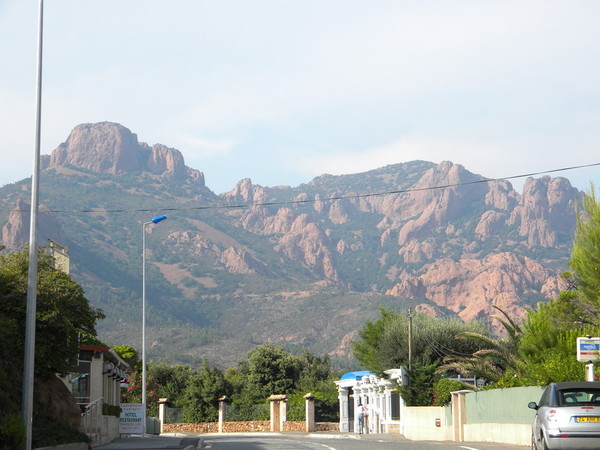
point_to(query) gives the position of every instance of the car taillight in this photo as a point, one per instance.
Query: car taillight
(551, 416)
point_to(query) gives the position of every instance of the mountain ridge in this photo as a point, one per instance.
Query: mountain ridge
(289, 258)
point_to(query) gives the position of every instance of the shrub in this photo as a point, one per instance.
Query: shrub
(12, 433)
(50, 431)
(296, 408)
(443, 388)
(111, 410)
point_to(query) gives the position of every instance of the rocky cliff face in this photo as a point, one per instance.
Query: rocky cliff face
(464, 248)
(471, 287)
(110, 148)
(15, 232)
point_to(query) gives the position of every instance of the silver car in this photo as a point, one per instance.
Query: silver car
(567, 416)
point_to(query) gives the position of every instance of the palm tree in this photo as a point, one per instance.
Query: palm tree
(498, 356)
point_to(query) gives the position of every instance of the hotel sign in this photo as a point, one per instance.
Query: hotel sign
(588, 349)
(132, 418)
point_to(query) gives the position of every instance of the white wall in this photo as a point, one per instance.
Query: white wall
(506, 433)
(419, 423)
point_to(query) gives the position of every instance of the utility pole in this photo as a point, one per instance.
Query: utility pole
(410, 357)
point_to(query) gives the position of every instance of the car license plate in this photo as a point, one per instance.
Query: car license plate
(587, 419)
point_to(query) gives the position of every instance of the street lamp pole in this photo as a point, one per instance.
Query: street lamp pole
(32, 276)
(154, 220)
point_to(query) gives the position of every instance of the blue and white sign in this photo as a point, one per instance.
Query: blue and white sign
(588, 349)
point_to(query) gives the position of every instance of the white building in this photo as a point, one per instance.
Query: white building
(378, 395)
(95, 382)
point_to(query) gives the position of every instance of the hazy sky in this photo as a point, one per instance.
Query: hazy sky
(281, 91)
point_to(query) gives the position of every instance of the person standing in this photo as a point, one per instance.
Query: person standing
(363, 414)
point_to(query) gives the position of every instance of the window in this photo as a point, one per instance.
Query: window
(395, 401)
(545, 400)
(577, 397)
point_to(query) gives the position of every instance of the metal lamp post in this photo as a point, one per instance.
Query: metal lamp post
(32, 276)
(154, 220)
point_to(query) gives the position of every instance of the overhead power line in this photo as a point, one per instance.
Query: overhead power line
(443, 350)
(315, 200)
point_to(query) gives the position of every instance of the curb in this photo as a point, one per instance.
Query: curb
(73, 446)
(199, 443)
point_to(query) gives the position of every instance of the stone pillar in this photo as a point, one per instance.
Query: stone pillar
(282, 412)
(96, 377)
(274, 415)
(459, 415)
(382, 407)
(357, 401)
(370, 419)
(162, 412)
(343, 403)
(589, 372)
(222, 411)
(387, 407)
(278, 411)
(309, 416)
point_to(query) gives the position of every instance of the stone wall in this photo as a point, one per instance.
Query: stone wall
(328, 426)
(320, 426)
(242, 427)
(213, 427)
(294, 426)
(392, 428)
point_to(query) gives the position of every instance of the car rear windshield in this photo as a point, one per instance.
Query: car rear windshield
(576, 397)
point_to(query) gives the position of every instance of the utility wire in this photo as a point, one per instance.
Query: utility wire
(447, 351)
(315, 200)
(440, 353)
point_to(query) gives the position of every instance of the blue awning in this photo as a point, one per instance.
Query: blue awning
(356, 375)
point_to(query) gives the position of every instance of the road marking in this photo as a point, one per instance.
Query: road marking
(327, 447)
(468, 448)
(209, 444)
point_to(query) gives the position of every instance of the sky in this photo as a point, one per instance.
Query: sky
(281, 91)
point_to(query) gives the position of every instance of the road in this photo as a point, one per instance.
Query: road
(336, 442)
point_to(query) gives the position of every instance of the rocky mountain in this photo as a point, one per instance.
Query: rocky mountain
(110, 148)
(297, 266)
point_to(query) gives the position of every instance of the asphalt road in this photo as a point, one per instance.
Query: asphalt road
(290, 441)
(336, 442)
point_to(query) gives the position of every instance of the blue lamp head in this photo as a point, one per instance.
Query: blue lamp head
(158, 219)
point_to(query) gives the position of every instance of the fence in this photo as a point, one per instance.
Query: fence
(233, 413)
(99, 427)
(256, 412)
(173, 415)
(91, 420)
